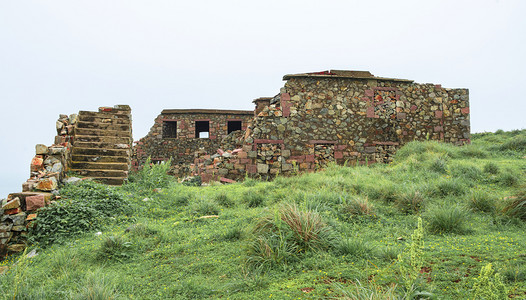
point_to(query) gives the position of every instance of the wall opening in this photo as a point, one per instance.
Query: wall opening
(233, 126)
(202, 129)
(169, 129)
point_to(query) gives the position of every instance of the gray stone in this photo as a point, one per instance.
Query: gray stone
(73, 118)
(18, 219)
(262, 168)
(41, 149)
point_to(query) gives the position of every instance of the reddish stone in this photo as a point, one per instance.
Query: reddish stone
(438, 114)
(341, 147)
(13, 211)
(413, 107)
(465, 110)
(35, 202)
(338, 154)
(438, 129)
(237, 150)
(370, 112)
(242, 154)
(309, 158)
(37, 163)
(252, 169)
(226, 180)
(31, 217)
(369, 93)
(245, 161)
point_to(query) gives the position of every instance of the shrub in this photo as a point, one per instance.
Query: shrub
(482, 201)
(182, 199)
(96, 286)
(514, 272)
(447, 220)
(491, 168)
(463, 170)
(410, 202)
(271, 250)
(518, 143)
(151, 176)
(356, 206)
(204, 206)
(385, 192)
(114, 248)
(353, 247)
(231, 234)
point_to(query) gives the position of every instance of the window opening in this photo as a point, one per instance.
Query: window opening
(169, 129)
(202, 129)
(233, 126)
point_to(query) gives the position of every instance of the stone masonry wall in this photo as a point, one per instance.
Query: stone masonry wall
(182, 147)
(358, 121)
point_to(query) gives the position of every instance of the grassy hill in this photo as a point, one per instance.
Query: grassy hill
(349, 232)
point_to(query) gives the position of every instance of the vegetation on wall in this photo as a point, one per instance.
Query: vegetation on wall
(440, 222)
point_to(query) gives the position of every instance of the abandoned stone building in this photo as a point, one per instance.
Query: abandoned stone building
(316, 118)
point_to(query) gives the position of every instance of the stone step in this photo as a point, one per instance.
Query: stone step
(103, 139)
(110, 180)
(98, 145)
(100, 173)
(102, 132)
(104, 119)
(80, 165)
(103, 125)
(99, 158)
(99, 151)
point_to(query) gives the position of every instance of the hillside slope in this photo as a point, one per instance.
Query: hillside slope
(343, 232)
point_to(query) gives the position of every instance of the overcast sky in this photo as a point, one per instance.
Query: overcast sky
(59, 57)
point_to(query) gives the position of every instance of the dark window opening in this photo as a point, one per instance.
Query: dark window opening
(202, 129)
(170, 129)
(233, 126)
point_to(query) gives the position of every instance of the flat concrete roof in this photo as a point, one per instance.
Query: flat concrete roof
(343, 74)
(207, 111)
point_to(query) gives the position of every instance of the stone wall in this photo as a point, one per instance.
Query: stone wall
(47, 169)
(339, 117)
(163, 142)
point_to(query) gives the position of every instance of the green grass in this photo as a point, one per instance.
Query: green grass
(332, 234)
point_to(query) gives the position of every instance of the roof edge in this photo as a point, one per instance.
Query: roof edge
(207, 111)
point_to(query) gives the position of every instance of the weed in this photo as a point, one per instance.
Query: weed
(489, 285)
(508, 178)
(516, 144)
(182, 199)
(96, 286)
(516, 206)
(450, 188)
(151, 176)
(357, 291)
(439, 165)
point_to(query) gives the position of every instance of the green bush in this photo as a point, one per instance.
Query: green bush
(356, 206)
(518, 143)
(447, 220)
(385, 192)
(89, 205)
(508, 178)
(151, 176)
(223, 199)
(466, 170)
(489, 285)
(439, 165)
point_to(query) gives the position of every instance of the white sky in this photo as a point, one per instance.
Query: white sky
(65, 56)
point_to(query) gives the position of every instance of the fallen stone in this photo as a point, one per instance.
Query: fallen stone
(32, 253)
(31, 217)
(71, 180)
(16, 248)
(35, 202)
(226, 180)
(14, 203)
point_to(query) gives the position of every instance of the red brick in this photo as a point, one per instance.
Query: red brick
(252, 169)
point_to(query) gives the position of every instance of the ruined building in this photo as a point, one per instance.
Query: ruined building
(339, 116)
